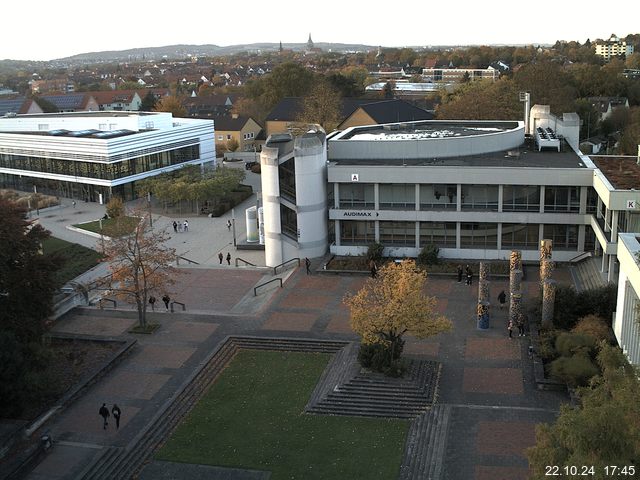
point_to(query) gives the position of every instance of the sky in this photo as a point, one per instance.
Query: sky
(46, 30)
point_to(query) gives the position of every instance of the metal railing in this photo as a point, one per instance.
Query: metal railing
(238, 259)
(184, 308)
(178, 258)
(255, 289)
(115, 304)
(275, 269)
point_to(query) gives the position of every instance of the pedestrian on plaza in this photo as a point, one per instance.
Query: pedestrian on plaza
(220, 257)
(179, 226)
(229, 258)
(510, 328)
(229, 225)
(152, 302)
(502, 298)
(373, 269)
(459, 269)
(116, 412)
(73, 202)
(469, 275)
(186, 226)
(104, 413)
(307, 264)
(175, 226)
(166, 299)
(521, 326)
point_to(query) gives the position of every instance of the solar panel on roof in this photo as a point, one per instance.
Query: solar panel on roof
(83, 133)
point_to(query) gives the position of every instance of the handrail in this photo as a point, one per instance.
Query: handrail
(179, 303)
(284, 263)
(178, 257)
(115, 304)
(581, 256)
(243, 260)
(255, 289)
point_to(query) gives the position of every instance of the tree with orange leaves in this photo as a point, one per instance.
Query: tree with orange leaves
(393, 304)
(140, 263)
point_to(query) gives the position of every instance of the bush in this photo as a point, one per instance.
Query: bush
(575, 371)
(374, 252)
(378, 357)
(568, 344)
(115, 207)
(594, 326)
(428, 255)
(546, 348)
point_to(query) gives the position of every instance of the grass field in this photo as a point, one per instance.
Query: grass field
(252, 417)
(109, 225)
(76, 259)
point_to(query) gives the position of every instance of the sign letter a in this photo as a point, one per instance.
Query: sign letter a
(354, 177)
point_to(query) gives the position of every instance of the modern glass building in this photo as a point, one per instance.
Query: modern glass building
(95, 155)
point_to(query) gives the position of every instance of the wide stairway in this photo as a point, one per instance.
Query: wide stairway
(586, 274)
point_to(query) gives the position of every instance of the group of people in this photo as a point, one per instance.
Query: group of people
(104, 413)
(166, 299)
(180, 226)
(520, 324)
(221, 258)
(467, 272)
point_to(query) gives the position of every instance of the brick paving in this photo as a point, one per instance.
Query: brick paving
(486, 378)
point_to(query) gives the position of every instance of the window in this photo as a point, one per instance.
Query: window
(397, 196)
(564, 237)
(353, 232)
(287, 179)
(289, 222)
(438, 197)
(521, 198)
(356, 195)
(479, 235)
(480, 197)
(401, 234)
(562, 199)
(220, 137)
(228, 136)
(520, 235)
(442, 234)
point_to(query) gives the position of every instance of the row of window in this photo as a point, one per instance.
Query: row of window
(473, 197)
(104, 171)
(443, 234)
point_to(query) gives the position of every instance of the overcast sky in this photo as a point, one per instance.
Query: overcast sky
(45, 29)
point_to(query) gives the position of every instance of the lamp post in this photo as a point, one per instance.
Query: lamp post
(233, 225)
(149, 205)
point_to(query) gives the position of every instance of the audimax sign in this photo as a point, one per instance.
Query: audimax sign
(365, 213)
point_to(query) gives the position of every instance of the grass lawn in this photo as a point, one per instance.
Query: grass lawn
(252, 417)
(76, 259)
(110, 224)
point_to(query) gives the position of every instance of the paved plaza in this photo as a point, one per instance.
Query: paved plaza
(486, 377)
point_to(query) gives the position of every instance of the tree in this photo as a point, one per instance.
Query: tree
(170, 104)
(604, 430)
(26, 277)
(232, 145)
(140, 264)
(482, 100)
(115, 207)
(388, 91)
(148, 103)
(393, 304)
(322, 106)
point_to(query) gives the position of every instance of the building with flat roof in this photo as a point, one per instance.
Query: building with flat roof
(614, 47)
(95, 155)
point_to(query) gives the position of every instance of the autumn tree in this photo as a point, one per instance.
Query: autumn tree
(322, 106)
(170, 104)
(393, 304)
(482, 100)
(140, 263)
(148, 102)
(115, 207)
(603, 430)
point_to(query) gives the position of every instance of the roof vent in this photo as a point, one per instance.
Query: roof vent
(513, 154)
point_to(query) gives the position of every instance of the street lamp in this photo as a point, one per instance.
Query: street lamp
(149, 205)
(233, 225)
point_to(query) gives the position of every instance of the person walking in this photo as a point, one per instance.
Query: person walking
(229, 225)
(175, 226)
(510, 328)
(166, 299)
(220, 257)
(307, 263)
(152, 302)
(229, 258)
(116, 412)
(186, 226)
(459, 269)
(469, 276)
(180, 226)
(520, 327)
(73, 202)
(373, 269)
(502, 298)
(104, 413)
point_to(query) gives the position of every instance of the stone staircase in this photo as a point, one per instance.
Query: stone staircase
(117, 463)
(586, 274)
(426, 444)
(371, 394)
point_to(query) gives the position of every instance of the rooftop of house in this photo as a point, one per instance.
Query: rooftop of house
(623, 173)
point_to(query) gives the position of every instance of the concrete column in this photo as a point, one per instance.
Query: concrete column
(541, 199)
(271, 205)
(499, 230)
(377, 230)
(376, 196)
(548, 303)
(417, 197)
(614, 225)
(515, 307)
(417, 242)
(605, 262)
(599, 207)
(336, 195)
(483, 283)
(547, 266)
(336, 229)
(458, 229)
(482, 316)
(582, 236)
(500, 197)
(458, 198)
(546, 249)
(612, 269)
(583, 200)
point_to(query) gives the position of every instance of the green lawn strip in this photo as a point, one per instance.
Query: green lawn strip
(109, 224)
(76, 259)
(252, 417)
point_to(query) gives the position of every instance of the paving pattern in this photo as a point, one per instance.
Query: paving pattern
(486, 405)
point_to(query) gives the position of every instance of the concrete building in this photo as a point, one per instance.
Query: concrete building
(614, 47)
(456, 75)
(625, 322)
(94, 155)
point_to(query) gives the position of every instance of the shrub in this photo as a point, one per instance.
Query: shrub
(594, 326)
(546, 348)
(256, 168)
(374, 252)
(428, 255)
(115, 207)
(568, 344)
(378, 357)
(575, 371)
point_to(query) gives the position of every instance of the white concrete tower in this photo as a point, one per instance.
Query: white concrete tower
(271, 206)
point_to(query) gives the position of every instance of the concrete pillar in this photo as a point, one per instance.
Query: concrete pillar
(547, 267)
(459, 198)
(548, 303)
(500, 197)
(541, 210)
(546, 249)
(482, 316)
(515, 307)
(271, 205)
(483, 283)
(583, 200)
